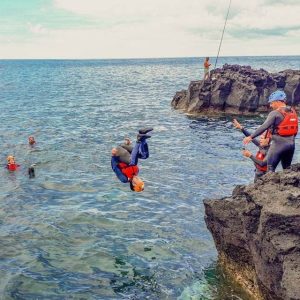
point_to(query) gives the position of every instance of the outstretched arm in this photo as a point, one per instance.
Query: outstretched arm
(247, 133)
(238, 125)
(116, 169)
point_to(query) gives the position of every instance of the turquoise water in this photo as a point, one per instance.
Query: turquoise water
(75, 231)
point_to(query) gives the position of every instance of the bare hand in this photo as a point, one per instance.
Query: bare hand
(247, 140)
(236, 124)
(246, 153)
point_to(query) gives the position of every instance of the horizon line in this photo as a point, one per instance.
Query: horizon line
(140, 58)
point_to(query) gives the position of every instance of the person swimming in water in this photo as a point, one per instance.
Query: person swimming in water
(31, 141)
(11, 163)
(124, 160)
(13, 166)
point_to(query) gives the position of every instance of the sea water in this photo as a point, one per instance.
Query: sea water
(75, 231)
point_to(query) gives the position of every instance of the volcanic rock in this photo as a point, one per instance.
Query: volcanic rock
(257, 235)
(237, 89)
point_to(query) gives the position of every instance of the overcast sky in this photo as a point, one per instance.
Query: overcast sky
(147, 28)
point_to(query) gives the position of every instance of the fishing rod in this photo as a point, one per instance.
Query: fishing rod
(222, 34)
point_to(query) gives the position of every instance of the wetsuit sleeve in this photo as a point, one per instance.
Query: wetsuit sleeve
(116, 169)
(261, 163)
(272, 119)
(247, 133)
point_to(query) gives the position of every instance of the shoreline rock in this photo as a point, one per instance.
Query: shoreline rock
(236, 89)
(257, 235)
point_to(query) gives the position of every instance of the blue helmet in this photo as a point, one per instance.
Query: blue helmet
(277, 96)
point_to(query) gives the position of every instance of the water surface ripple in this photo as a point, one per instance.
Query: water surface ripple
(76, 232)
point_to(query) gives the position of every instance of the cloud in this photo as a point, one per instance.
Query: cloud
(256, 33)
(280, 2)
(156, 28)
(37, 28)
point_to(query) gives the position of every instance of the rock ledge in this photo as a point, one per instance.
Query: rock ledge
(257, 235)
(237, 89)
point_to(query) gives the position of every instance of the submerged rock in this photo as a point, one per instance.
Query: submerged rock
(257, 235)
(237, 89)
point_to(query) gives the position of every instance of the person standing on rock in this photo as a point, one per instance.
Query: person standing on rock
(260, 159)
(206, 69)
(282, 122)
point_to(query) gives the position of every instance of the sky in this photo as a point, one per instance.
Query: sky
(97, 29)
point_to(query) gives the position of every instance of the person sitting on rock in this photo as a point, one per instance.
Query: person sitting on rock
(125, 158)
(260, 159)
(206, 69)
(283, 124)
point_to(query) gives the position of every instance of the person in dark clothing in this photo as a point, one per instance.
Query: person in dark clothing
(260, 159)
(125, 158)
(282, 122)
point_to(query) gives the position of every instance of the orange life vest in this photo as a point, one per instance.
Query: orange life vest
(127, 170)
(289, 124)
(261, 156)
(206, 64)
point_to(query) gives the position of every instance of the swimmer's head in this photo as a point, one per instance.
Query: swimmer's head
(31, 140)
(10, 159)
(137, 184)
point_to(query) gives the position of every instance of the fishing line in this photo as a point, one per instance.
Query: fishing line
(223, 33)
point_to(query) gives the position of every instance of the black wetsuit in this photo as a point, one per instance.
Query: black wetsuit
(263, 150)
(282, 148)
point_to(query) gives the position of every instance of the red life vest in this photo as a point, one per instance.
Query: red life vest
(12, 167)
(261, 156)
(289, 124)
(127, 170)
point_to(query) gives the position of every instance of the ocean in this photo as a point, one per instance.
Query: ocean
(76, 232)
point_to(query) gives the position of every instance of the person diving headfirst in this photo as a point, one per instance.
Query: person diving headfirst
(125, 158)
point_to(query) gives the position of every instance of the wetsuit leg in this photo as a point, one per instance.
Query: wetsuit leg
(127, 147)
(140, 150)
(287, 157)
(280, 152)
(273, 156)
(123, 154)
(143, 150)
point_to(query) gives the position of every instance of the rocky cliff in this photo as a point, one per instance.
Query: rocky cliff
(237, 89)
(257, 235)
